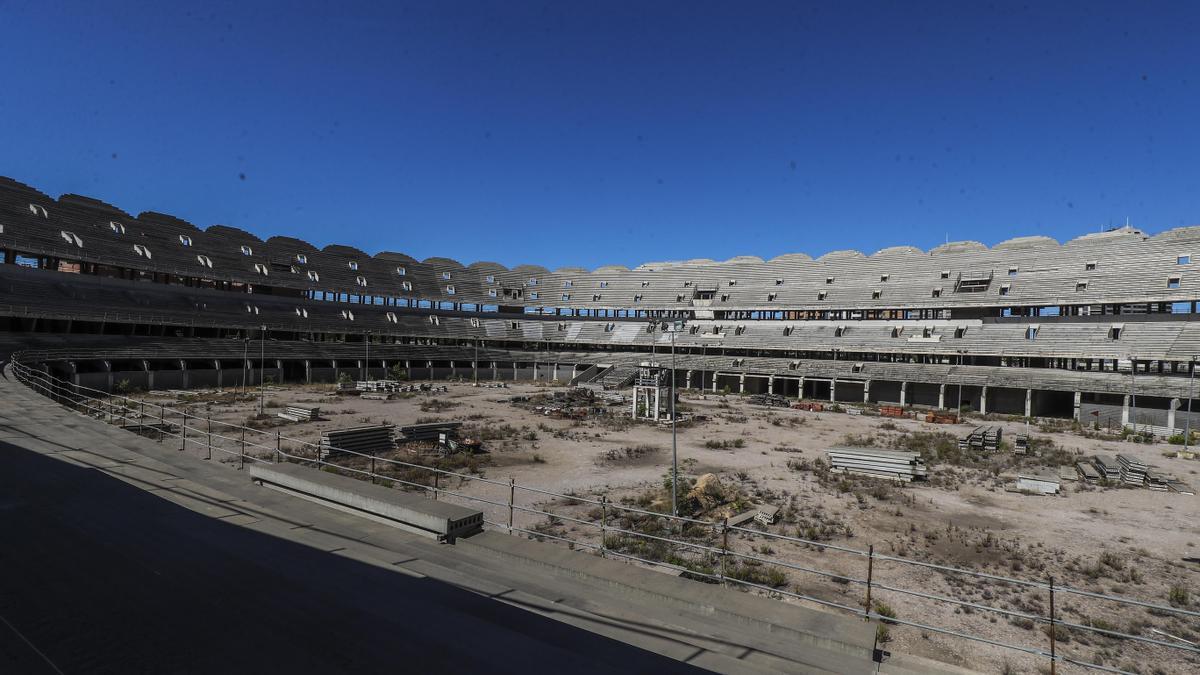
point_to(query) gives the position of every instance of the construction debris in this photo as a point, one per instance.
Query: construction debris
(430, 431)
(770, 400)
(1042, 483)
(893, 464)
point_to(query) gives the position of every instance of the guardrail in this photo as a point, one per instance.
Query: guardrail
(692, 547)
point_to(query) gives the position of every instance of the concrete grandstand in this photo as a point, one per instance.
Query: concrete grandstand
(1098, 328)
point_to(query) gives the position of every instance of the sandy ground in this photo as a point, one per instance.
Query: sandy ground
(970, 521)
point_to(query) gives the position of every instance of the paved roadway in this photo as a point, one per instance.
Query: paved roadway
(98, 576)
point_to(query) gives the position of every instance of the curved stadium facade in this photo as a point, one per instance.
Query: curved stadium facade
(1098, 328)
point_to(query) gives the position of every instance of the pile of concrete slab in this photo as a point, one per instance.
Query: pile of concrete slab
(366, 440)
(1133, 471)
(294, 413)
(892, 464)
(1108, 468)
(432, 431)
(1087, 471)
(986, 437)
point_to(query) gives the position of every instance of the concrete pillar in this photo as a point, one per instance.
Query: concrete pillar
(108, 371)
(554, 373)
(1078, 401)
(220, 379)
(495, 372)
(771, 384)
(514, 370)
(1125, 411)
(687, 380)
(1029, 403)
(149, 375)
(633, 411)
(983, 400)
(941, 397)
(307, 371)
(182, 368)
(574, 371)
(1171, 414)
(742, 383)
(903, 394)
(715, 373)
(453, 369)
(800, 390)
(832, 390)
(867, 391)
(657, 403)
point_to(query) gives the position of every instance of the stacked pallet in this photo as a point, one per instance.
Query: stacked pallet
(1133, 471)
(431, 431)
(1107, 467)
(893, 464)
(986, 437)
(297, 414)
(366, 440)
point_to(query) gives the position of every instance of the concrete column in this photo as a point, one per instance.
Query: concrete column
(800, 390)
(715, 373)
(903, 394)
(453, 369)
(941, 397)
(1171, 414)
(495, 372)
(1029, 403)
(867, 391)
(307, 371)
(217, 366)
(145, 366)
(742, 383)
(771, 384)
(554, 373)
(514, 370)
(657, 403)
(832, 390)
(1125, 411)
(687, 380)
(983, 400)
(108, 371)
(1078, 401)
(633, 412)
(182, 368)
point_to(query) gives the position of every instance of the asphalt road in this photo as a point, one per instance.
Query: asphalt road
(97, 576)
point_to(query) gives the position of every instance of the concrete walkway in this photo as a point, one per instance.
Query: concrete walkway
(122, 552)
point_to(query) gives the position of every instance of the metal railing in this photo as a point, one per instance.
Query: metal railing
(243, 444)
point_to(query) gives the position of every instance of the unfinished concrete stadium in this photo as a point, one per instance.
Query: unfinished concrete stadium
(102, 306)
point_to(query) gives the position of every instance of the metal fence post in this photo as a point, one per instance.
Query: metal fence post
(437, 480)
(242, 454)
(278, 448)
(208, 432)
(724, 549)
(512, 493)
(372, 468)
(183, 433)
(603, 522)
(1053, 630)
(162, 422)
(870, 578)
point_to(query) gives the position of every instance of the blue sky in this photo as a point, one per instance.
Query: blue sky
(583, 134)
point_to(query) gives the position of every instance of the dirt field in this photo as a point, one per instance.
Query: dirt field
(1113, 540)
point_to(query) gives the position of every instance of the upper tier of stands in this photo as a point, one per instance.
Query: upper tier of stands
(1122, 266)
